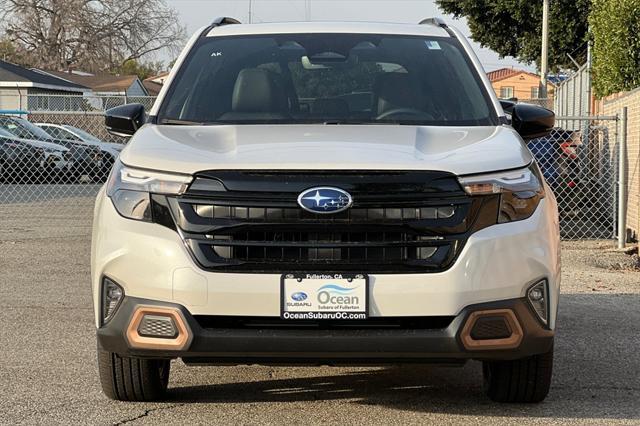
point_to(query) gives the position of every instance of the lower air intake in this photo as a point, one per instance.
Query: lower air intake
(157, 326)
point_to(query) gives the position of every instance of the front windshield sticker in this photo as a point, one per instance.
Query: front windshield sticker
(432, 45)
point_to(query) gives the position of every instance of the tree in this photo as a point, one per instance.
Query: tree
(514, 27)
(8, 51)
(615, 26)
(142, 70)
(95, 35)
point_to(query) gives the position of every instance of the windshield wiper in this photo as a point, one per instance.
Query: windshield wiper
(367, 122)
(177, 122)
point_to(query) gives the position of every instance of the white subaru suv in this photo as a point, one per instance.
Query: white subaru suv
(326, 194)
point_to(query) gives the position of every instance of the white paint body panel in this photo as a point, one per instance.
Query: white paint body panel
(460, 150)
(499, 262)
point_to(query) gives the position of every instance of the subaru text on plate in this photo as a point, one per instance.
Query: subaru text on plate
(326, 194)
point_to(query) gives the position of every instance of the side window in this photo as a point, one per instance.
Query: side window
(64, 134)
(53, 131)
(58, 133)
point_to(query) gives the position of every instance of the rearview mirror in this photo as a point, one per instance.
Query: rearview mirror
(532, 121)
(124, 120)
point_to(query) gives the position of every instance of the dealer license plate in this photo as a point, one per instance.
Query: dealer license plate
(324, 296)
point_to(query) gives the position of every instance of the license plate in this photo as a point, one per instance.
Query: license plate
(324, 296)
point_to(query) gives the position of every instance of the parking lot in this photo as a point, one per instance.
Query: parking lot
(48, 367)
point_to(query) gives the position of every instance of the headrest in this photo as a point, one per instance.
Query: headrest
(256, 90)
(397, 90)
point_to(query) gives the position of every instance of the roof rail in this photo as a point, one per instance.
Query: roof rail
(224, 20)
(219, 22)
(438, 22)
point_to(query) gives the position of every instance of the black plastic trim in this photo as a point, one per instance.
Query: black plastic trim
(325, 346)
(274, 192)
(219, 22)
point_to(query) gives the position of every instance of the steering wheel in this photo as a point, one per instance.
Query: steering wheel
(404, 111)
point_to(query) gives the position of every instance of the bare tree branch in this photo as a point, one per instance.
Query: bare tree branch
(95, 35)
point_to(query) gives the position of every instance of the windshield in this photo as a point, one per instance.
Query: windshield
(327, 78)
(4, 133)
(23, 129)
(84, 135)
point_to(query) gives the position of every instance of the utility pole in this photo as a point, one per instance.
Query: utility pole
(544, 60)
(588, 89)
(307, 10)
(250, 17)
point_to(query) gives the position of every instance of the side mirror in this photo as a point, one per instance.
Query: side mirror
(532, 121)
(124, 120)
(507, 105)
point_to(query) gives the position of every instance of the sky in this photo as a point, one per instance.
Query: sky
(197, 13)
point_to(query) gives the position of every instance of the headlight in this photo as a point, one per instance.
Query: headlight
(129, 189)
(520, 191)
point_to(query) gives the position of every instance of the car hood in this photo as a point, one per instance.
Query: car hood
(460, 150)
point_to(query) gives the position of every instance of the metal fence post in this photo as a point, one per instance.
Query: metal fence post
(622, 180)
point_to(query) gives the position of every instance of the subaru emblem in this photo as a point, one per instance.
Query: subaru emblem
(325, 200)
(299, 296)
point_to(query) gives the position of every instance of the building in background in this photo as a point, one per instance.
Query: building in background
(105, 84)
(17, 83)
(154, 83)
(514, 83)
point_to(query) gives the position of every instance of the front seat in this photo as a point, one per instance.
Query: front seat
(397, 90)
(257, 96)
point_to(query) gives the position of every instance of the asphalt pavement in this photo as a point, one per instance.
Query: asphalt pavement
(48, 371)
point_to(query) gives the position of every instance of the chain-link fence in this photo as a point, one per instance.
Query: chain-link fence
(55, 154)
(543, 102)
(579, 162)
(59, 173)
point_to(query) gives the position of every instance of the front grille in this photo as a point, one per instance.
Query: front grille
(399, 222)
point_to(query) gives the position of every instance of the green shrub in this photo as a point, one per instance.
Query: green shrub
(615, 27)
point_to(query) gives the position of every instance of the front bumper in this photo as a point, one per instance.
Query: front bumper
(287, 345)
(500, 262)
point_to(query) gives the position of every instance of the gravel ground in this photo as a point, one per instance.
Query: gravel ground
(48, 367)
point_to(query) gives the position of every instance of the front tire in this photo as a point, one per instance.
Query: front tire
(522, 380)
(133, 379)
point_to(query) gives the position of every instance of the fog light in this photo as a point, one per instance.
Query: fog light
(539, 300)
(112, 295)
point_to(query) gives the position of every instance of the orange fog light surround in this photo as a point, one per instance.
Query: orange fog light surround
(179, 343)
(510, 342)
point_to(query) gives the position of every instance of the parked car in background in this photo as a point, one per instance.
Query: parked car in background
(55, 162)
(557, 157)
(19, 163)
(87, 160)
(110, 150)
